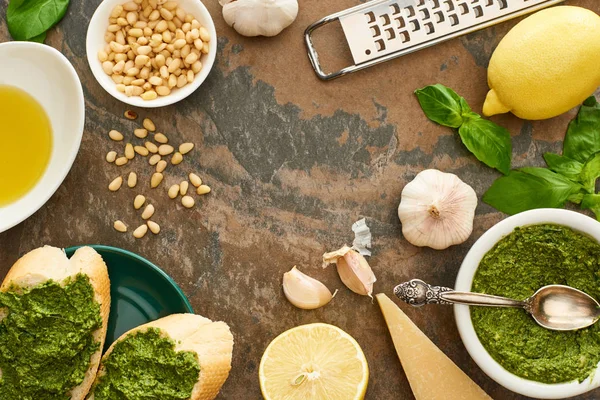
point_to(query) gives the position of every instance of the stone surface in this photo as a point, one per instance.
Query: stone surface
(292, 162)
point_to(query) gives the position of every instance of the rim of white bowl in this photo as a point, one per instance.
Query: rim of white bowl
(95, 35)
(574, 220)
(68, 164)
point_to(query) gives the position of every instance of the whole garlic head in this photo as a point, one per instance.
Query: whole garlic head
(437, 210)
(259, 17)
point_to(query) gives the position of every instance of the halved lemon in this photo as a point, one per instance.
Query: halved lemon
(315, 361)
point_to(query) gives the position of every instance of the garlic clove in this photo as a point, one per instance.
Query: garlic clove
(305, 292)
(437, 210)
(353, 269)
(259, 17)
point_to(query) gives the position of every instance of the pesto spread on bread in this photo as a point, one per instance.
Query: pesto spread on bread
(47, 339)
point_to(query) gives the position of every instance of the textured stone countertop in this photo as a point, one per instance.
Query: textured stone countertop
(293, 162)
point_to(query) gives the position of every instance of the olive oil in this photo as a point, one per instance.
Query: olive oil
(25, 143)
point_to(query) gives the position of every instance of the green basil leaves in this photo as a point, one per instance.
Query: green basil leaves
(30, 19)
(489, 142)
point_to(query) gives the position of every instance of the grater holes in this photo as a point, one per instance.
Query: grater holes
(404, 36)
(401, 22)
(411, 11)
(421, 3)
(474, 1)
(415, 25)
(440, 16)
(489, 3)
(464, 8)
(395, 8)
(478, 11)
(390, 33)
(385, 19)
(380, 45)
(436, 4)
(375, 30)
(503, 4)
(425, 13)
(453, 19)
(450, 5)
(429, 29)
(371, 17)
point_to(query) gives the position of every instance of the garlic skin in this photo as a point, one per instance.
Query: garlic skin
(305, 292)
(259, 17)
(353, 269)
(437, 210)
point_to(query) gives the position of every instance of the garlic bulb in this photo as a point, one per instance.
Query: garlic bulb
(259, 17)
(353, 270)
(437, 210)
(305, 292)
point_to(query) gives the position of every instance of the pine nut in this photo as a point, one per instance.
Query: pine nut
(203, 189)
(140, 231)
(186, 148)
(130, 114)
(195, 179)
(204, 35)
(155, 80)
(140, 133)
(160, 138)
(154, 159)
(149, 95)
(165, 149)
(183, 188)
(139, 201)
(163, 90)
(177, 158)
(152, 148)
(120, 226)
(111, 156)
(154, 227)
(156, 179)
(132, 180)
(121, 161)
(161, 165)
(149, 125)
(129, 152)
(187, 202)
(173, 191)
(115, 184)
(141, 150)
(148, 211)
(115, 135)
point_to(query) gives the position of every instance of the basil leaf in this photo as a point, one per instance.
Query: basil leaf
(521, 191)
(592, 202)
(583, 134)
(442, 105)
(564, 165)
(591, 172)
(489, 142)
(39, 38)
(552, 177)
(28, 19)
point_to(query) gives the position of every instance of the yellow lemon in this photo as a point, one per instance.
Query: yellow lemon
(315, 361)
(546, 65)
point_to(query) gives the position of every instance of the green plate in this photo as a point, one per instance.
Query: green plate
(140, 291)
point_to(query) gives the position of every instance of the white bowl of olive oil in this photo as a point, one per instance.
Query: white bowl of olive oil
(42, 116)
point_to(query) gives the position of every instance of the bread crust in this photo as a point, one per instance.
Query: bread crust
(51, 263)
(211, 341)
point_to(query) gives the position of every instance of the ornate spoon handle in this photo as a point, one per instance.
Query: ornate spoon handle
(418, 293)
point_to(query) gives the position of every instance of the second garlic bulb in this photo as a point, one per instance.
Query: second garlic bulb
(259, 17)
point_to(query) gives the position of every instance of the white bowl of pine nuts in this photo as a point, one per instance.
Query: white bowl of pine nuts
(151, 53)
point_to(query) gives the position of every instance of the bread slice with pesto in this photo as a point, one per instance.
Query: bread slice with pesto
(53, 321)
(178, 357)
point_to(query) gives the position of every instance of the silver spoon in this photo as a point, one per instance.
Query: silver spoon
(556, 307)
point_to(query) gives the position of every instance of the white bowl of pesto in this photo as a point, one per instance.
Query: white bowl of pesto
(468, 280)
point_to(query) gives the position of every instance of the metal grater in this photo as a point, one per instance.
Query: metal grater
(381, 30)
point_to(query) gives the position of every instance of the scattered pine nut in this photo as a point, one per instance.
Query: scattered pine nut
(111, 156)
(161, 165)
(186, 148)
(154, 159)
(140, 231)
(173, 191)
(120, 226)
(203, 189)
(154, 227)
(129, 153)
(148, 211)
(115, 135)
(161, 138)
(139, 201)
(152, 148)
(132, 180)
(165, 149)
(130, 114)
(115, 184)
(141, 150)
(156, 179)
(121, 161)
(187, 201)
(149, 125)
(140, 133)
(195, 179)
(177, 158)
(183, 188)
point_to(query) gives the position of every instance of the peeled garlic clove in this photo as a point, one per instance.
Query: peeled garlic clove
(259, 17)
(437, 210)
(353, 269)
(305, 292)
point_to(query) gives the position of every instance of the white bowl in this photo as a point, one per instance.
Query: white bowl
(49, 77)
(95, 42)
(493, 369)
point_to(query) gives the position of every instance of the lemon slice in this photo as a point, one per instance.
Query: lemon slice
(315, 361)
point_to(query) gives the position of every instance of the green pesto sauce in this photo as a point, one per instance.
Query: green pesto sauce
(145, 366)
(46, 340)
(519, 264)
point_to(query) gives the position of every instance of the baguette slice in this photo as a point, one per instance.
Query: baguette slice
(50, 263)
(211, 341)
